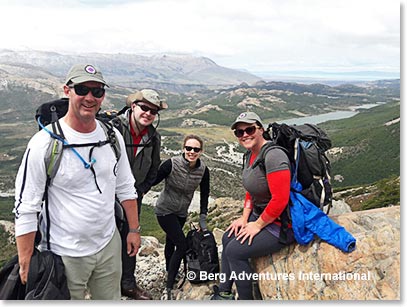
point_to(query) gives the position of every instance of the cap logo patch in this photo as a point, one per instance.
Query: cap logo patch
(90, 69)
(242, 115)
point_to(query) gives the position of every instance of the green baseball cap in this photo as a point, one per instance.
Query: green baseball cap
(248, 118)
(80, 73)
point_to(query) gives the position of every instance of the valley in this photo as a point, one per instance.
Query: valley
(366, 147)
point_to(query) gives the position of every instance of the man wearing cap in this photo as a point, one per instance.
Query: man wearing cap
(81, 195)
(143, 144)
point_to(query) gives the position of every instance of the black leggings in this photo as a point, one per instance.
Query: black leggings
(175, 244)
(235, 258)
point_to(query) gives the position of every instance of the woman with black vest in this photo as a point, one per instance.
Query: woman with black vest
(257, 231)
(183, 175)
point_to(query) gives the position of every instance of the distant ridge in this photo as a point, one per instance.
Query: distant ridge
(132, 69)
(326, 77)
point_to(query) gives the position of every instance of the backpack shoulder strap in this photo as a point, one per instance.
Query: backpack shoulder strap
(245, 158)
(55, 148)
(53, 158)
(260, 158)
(111, 138)
(260, 162)
(52, 112)
(117, 122)
(263, 152)
(51, 120)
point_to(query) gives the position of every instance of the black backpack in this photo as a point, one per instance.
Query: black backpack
(11, 287)
(201, 255)
(46, 279)
(305, 146)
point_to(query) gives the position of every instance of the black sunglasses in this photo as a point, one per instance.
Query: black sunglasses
(146, 109)
(83, 90)
(249, 131)
(189, 148)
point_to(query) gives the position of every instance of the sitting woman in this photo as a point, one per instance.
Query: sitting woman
(183, 175)
(257, 232)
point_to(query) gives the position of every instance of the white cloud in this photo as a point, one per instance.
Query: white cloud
(261, 35)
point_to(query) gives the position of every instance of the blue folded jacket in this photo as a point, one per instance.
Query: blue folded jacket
(308, 220)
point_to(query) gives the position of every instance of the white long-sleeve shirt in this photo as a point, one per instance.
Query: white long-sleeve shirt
(82, 218)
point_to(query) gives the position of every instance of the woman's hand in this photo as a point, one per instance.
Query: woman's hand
(250, 230)
(236, 226)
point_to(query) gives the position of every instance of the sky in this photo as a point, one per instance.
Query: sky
(259, 36)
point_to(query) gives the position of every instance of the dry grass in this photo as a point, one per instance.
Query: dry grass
(210, 134)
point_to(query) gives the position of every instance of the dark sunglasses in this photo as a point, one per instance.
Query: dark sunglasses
(189, 148)
(249, 131)
(83, 90)
(144, 108)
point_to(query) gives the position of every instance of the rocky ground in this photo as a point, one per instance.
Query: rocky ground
(9, 227)
(150, 269)
(150, 266)
(150, 273)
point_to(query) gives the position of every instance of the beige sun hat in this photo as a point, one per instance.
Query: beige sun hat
(147, 95)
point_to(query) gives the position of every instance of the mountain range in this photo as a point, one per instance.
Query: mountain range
(204, 99)
(130, 70)
(28, 79)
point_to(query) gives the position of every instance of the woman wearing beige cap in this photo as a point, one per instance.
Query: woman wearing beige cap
(257, 232)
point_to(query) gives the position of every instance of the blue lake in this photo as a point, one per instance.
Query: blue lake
(317, 119)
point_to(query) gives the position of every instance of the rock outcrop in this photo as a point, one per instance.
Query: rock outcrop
(150, 266)
(319, 271)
